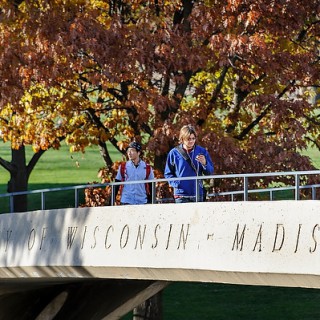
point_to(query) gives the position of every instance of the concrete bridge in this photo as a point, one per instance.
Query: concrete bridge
(99, 263)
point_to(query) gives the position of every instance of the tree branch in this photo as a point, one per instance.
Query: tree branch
(315, 142)
(104, 153)
(34, 160)
(244, 132)
(99, 124)
(215, 94)
(7, 165)
(304, 31)
(240, 96)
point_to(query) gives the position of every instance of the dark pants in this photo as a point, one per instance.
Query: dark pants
(186, 199)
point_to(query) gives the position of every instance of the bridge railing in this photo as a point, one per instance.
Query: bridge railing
(232, 195)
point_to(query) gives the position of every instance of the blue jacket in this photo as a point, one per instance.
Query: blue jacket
(177, 166)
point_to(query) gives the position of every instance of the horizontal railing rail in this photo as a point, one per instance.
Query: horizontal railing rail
(296, 187)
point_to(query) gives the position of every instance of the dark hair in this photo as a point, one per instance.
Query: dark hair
(135, 145)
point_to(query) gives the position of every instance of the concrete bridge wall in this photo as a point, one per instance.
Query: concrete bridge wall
(263, 243)
(99, 263)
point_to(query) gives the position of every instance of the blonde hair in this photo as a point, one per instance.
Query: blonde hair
(186, 131)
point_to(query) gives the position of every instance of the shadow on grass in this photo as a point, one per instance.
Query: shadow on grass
(206, 301)
(215, 301)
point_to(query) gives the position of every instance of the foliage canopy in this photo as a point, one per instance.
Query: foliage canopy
(245, 73)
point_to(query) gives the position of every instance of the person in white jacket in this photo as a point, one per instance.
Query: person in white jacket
(133, 170)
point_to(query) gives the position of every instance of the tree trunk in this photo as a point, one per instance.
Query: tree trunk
(19, 179)
(160, 162)
(151, 309)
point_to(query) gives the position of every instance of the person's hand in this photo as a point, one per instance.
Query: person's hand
(202, 159)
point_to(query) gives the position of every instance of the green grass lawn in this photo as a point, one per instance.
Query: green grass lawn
(186, 301)
(60, 167)
(314, 154)
(55, 169)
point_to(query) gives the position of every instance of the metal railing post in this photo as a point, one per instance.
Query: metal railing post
(153, 192)
(297, 187)
(314, 193)
(245, 188)
(76, 198)
(112, 195)
(197, 188)
(43, 200)
(11, 204)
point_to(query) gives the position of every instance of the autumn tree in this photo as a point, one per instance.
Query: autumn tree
(243, 72)
(92, 72)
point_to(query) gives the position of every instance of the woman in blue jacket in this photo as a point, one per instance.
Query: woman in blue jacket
(188, 160)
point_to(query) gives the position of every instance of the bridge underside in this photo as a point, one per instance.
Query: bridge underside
(110, 293)
(93, 299)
